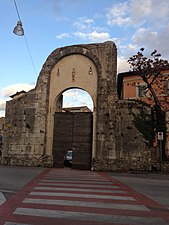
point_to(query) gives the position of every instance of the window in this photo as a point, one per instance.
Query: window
(141, 90)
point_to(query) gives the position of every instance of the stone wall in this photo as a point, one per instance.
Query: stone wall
(28, 121)
(131, 149)
(24, 138)
(2, 120)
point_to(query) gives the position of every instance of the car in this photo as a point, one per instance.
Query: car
(68, 158)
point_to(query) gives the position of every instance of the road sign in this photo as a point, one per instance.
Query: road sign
(160, 136)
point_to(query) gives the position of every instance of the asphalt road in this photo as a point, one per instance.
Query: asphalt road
(12, 179)
(153, 185)
(67, 196)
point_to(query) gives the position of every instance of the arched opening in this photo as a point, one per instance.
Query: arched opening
(73, 129)
(73, 71)
(78, 99)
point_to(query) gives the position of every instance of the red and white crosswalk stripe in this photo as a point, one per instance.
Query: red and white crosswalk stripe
(65, 196)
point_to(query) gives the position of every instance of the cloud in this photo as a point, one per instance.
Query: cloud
(117, 15)
(9, 90)
(63, 35)
(122, 65)
(75, 93)
(2, 107)
(142, 25)
(152, 39)
(2, 114)
(118, 10)
(72, 92)
(12, 89)
(119, 21)
(77, 97)
(83, 23)
(94, 36)
(150, 10)
(143, 34)
(85, 29)
(140, 11)
(132, 13)
(2, 104)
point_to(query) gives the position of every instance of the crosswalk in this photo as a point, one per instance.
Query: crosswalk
(71, 197)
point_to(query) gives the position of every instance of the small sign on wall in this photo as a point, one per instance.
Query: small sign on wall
(160, 136)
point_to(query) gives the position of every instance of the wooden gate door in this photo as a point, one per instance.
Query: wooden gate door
(73, 131)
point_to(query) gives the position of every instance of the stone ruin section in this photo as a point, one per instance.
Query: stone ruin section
(117, 143)
(125, 149)
(24, 139)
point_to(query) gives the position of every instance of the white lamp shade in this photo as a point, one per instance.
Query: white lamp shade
(18, 30)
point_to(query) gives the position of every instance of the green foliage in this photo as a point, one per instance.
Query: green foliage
(144, 123)
(149, 69)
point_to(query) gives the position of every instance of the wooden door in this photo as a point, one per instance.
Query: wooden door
(73, 131)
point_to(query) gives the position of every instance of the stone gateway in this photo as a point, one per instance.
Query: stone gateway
(38, 133)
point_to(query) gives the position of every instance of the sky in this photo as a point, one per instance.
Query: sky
(50, 24)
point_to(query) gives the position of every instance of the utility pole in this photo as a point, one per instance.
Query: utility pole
(160, 139)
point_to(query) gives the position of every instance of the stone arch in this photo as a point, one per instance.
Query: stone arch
(33, 145)
(72, 71)
(60, 53)
(104, 58)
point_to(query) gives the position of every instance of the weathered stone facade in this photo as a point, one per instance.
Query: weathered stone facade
(117, 145)
(131, 149)
(2, 119)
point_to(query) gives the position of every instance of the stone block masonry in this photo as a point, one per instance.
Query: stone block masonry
(29, 120)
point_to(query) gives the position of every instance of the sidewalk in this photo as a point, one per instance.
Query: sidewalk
(72, 197)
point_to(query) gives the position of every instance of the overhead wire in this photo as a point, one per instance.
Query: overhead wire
(17, 10)
(26, 42)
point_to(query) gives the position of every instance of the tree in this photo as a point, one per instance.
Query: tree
(150, 70)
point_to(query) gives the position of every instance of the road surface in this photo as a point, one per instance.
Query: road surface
(72, 197)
